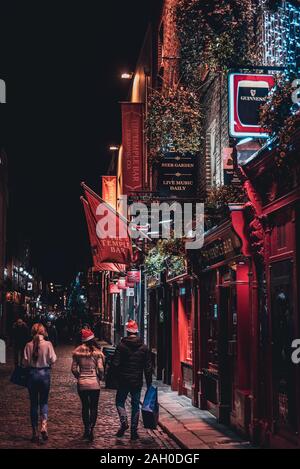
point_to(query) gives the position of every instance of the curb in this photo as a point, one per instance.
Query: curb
(172, 436)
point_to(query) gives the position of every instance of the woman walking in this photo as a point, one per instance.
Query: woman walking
(39, 355)
(88, 368)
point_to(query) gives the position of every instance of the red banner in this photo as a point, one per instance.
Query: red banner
(109, 190)
(132, 141)
(97, 264)
(130, 284)
(108, 248)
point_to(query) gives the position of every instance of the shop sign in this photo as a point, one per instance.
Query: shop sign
(230, 175)
(122, 283)
(113, 288)
(177, 175)
(130, 284)
(133, 276)
(247, 93)
(13, 297)
(129, 291)
(221, 249)
(132, 140)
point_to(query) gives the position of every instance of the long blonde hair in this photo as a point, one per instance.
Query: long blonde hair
(37, 330)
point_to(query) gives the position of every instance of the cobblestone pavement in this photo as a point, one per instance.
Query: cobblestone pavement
(65, 427)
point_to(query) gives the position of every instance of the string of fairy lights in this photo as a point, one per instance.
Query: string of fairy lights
(282, 37)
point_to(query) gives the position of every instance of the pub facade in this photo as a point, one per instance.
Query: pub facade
(273, 230)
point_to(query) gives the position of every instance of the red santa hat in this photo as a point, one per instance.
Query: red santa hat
(132, 327)
(86, 335)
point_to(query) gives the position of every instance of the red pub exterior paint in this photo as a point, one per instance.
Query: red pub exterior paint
(273, 231)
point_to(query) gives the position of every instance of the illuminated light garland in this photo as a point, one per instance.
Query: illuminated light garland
(282, 36)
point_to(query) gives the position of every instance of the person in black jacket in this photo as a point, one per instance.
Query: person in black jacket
(20, 336)
(132, 358)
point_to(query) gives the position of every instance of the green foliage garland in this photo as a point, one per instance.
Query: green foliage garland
(221, 196)
(167, 254)
(217, 33)
(217, 203)
(174, 121)
(280, 117)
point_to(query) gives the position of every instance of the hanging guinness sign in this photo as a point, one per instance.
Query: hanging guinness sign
(246, 94)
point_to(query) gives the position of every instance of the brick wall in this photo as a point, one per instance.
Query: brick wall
(216, 137)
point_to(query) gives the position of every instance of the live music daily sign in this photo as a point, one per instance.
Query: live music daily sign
(177, 175)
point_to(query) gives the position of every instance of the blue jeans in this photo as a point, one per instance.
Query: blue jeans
(121, 397)
(38, 387)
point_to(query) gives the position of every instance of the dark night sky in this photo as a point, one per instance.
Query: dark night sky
(62, 62)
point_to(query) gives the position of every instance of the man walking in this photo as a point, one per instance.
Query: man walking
(20, 337)
(131, 359)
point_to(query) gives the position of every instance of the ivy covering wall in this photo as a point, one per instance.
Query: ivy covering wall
(174, 121)
(281, 117)
(167, 254)
(217, 33)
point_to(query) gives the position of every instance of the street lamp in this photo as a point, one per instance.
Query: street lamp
(113, 148)
(126, 75)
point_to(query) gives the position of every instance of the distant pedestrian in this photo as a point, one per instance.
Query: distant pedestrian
(131, 360)
(52, 333)
(20, 336)
(88, 369)
(39, 355)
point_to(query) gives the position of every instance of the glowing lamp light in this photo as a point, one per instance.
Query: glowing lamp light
(114, 148)
(126, 76)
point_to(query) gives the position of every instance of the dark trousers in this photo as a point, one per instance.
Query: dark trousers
(38, 387)
(121, 397)
(18, 354)
(89, 401)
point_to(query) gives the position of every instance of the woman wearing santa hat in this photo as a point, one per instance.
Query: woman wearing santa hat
(88, 368)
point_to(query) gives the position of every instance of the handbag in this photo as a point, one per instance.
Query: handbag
(150, 408)
(20, 376)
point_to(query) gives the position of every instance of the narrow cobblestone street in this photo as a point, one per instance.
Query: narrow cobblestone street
(65, 427)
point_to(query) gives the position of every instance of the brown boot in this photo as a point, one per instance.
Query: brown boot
(44, 431)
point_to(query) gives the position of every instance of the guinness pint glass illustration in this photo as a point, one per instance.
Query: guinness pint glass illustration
(247, 92)
(251, 95)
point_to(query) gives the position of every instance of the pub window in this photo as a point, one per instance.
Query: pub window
(213, 158)
(212, 316)
(281, 238)
(283, 331)
(189, 350)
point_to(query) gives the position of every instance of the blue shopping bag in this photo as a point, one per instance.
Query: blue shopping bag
(150, 408)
